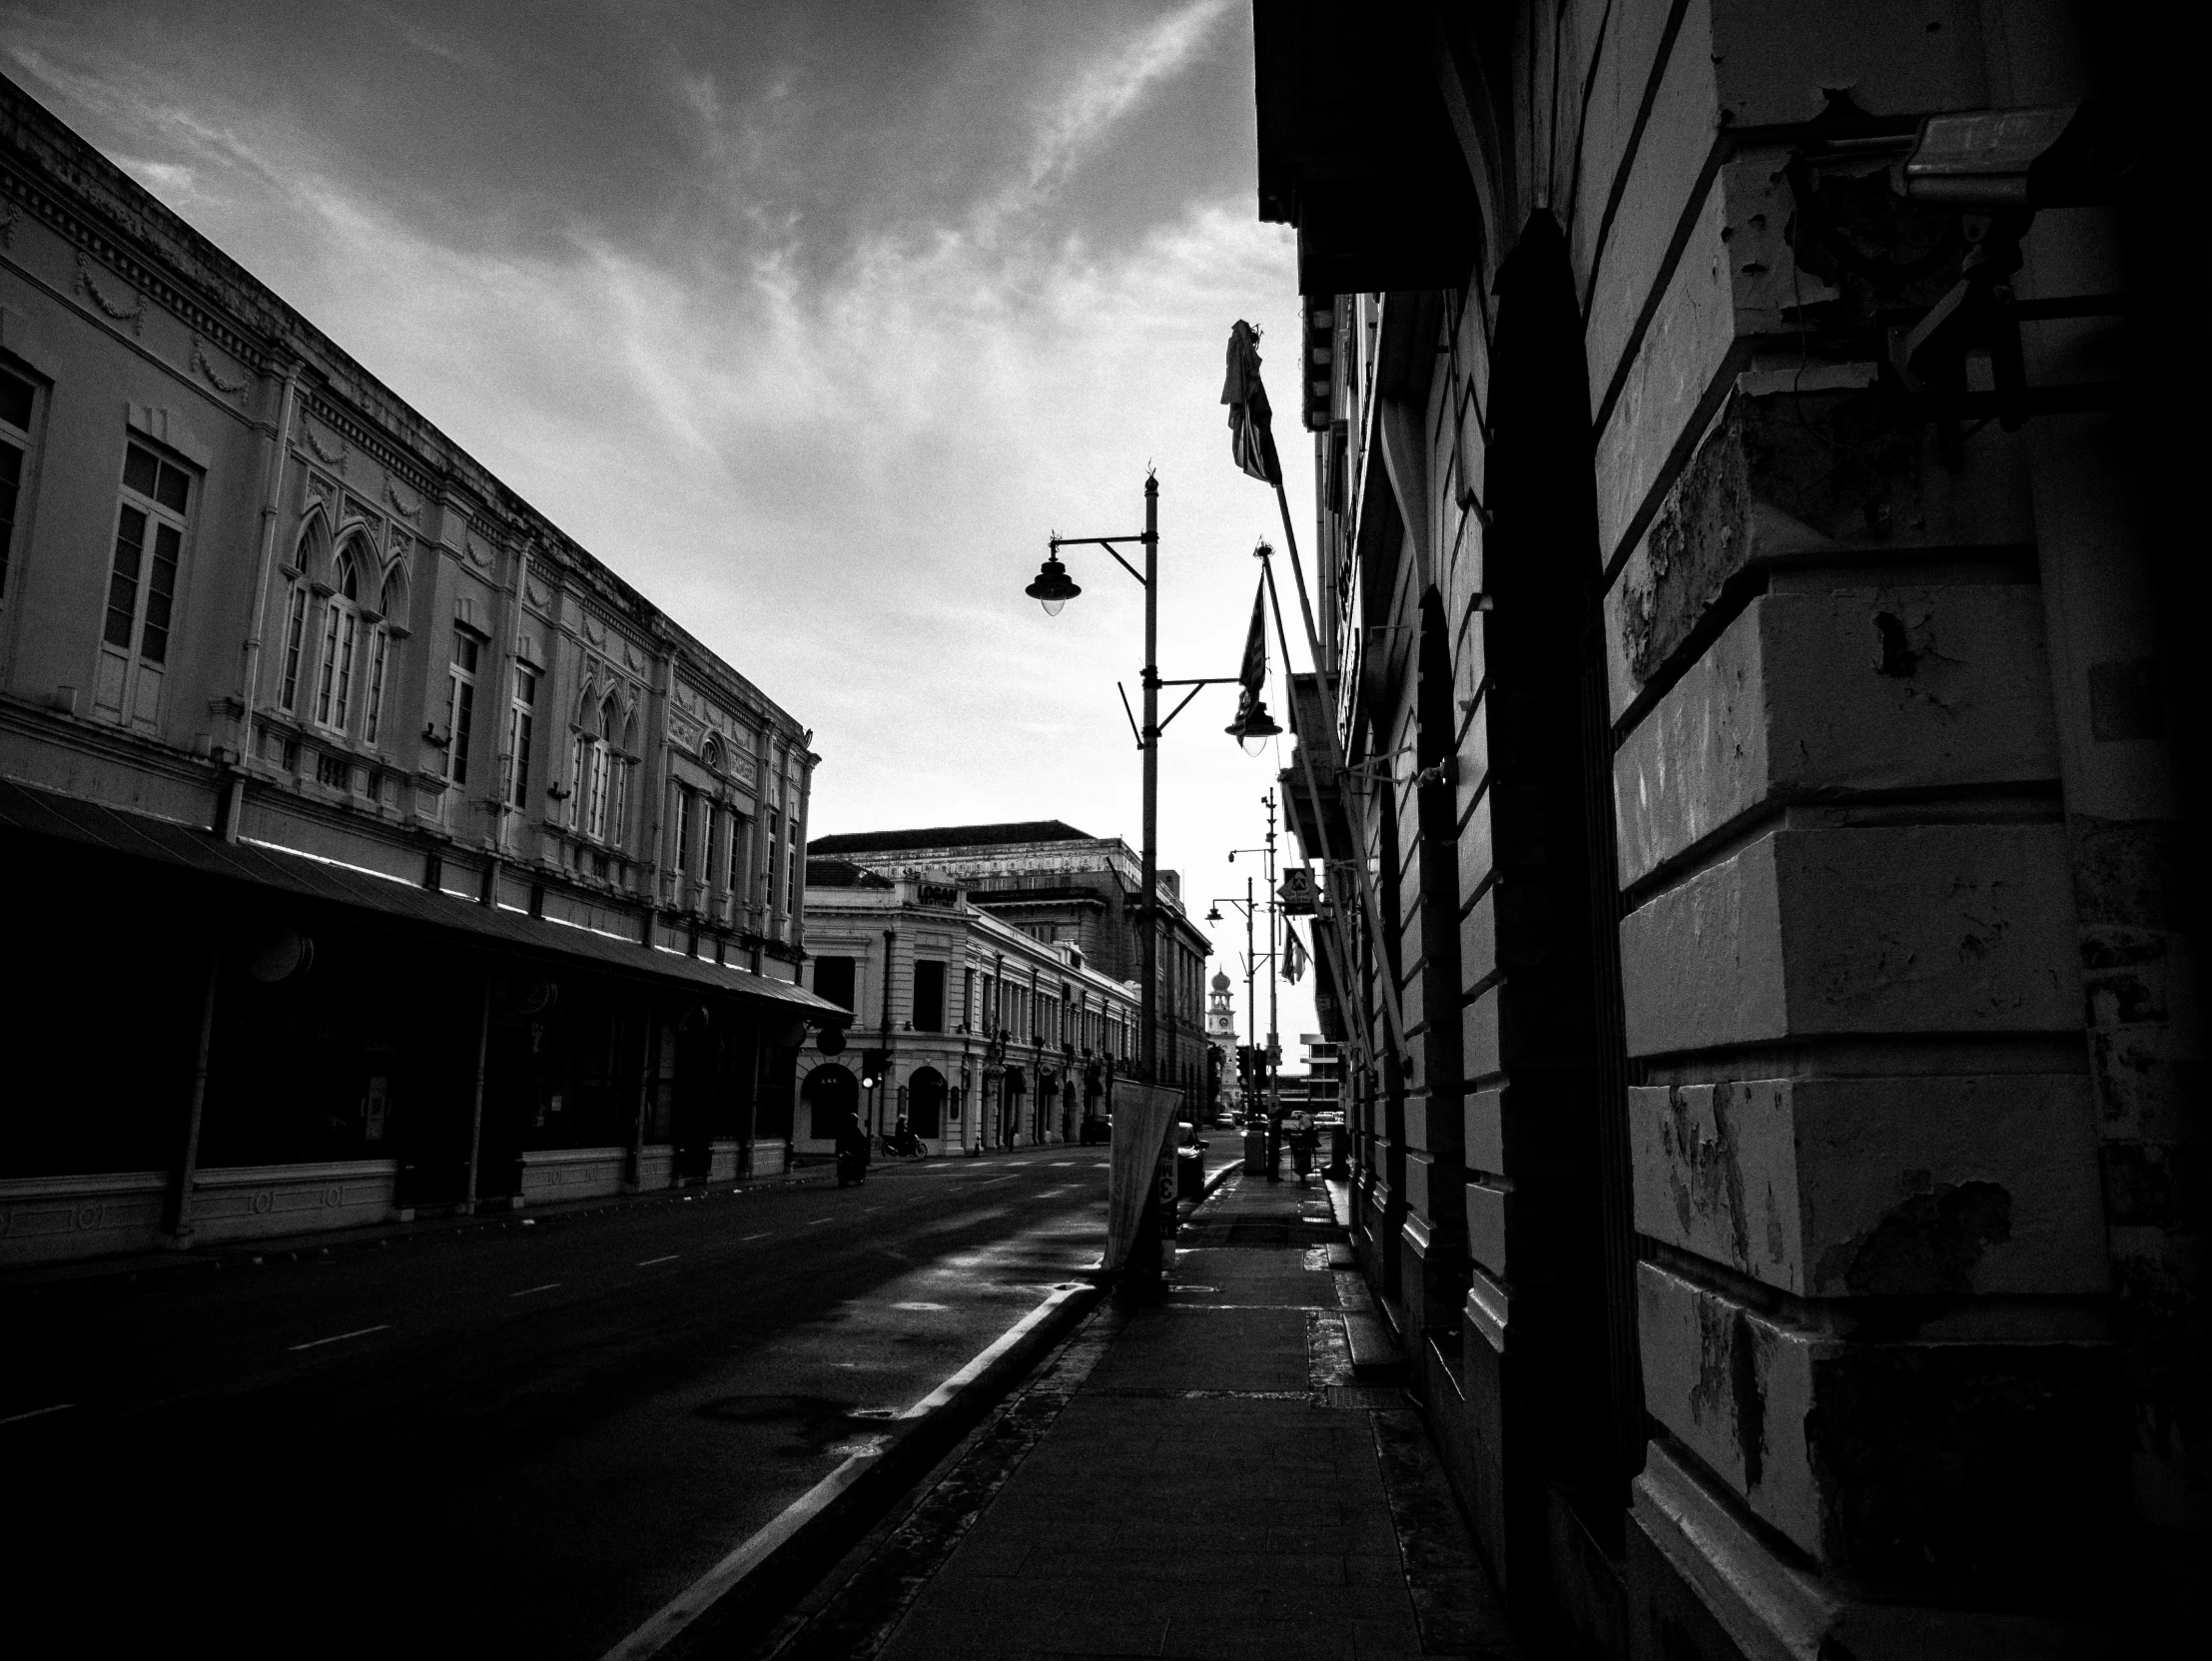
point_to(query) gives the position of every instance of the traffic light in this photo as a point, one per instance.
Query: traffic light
(874, 1064)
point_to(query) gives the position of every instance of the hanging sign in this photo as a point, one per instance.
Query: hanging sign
(1296, 893)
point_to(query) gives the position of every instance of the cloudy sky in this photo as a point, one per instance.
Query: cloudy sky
(811, 319)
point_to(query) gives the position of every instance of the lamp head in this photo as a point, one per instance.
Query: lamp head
(1213, 914)
(1254, 727)
(1053, 587)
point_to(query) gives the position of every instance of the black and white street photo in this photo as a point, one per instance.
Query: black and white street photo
(1014, 830)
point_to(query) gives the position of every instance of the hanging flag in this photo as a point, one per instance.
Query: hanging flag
(1251, 438)
(1253, 673)
(1293, 957)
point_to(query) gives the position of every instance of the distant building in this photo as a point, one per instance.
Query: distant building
(978, 1034)
(373, 848)
(1060, 886)
(1220, 1028)
(1324, 1070)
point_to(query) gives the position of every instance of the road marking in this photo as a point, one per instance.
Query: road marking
(917, 1306)
(749, 1239)
(819, 1220)
(667, 1623)
(38, 1413)
(648, 1262)
(340, 1337)
(527, 1291)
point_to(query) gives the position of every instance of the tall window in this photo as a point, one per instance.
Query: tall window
(16, 398)
(733, 876)
(142, 585)
(295, 640)
(621, 762)
(522, 714)
(929, 996)
(833, 979)
(341, 624)
(381, 646)
(791, 865)
(688, 813)
(718, 836)
(461, 705)
(768, 858)
(602, 779)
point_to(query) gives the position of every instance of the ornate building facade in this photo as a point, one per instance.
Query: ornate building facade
(1749, 444)
(421, 862)
(978, 1034)
(1058, 885)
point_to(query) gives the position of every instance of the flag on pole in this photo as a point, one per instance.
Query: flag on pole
(1251, 438)
(1253, 673)
(1293, 957)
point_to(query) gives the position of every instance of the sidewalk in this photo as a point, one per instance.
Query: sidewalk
(1201, 1476)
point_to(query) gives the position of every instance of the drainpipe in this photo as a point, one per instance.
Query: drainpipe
(504, 663)
(272, 503)
(188, 1163)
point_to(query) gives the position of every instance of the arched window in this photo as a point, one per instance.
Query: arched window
(341, 630)
(599, 792)
(618, 769)
(579, 762)
(308, 556)
(382, 645)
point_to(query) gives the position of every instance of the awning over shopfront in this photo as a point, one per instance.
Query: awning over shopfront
(137, 836)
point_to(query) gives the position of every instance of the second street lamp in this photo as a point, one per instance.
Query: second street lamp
(1053, 588)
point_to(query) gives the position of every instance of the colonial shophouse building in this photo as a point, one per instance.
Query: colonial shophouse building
(1759, 454)
(978, 1034)
(1058, 885)
(372, 846)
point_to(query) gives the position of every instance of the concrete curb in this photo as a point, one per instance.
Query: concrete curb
(779, 1564)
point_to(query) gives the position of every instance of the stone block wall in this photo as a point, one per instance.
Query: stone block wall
(1776, 695)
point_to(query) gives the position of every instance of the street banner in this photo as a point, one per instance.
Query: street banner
(1252, 434)
(1293, 956)
(1143, 1117)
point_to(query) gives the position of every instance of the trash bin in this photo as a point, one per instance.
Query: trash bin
(1190, 1173)
(1340, 1152)
(1255, 1146)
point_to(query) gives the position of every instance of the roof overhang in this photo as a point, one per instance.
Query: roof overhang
(371, 897)
(1358, 148)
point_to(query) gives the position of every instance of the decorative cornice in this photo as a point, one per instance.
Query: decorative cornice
(134, 316)
(200, 362)
(89, 238)
(323, 456)
(393, 458)
(406, 509)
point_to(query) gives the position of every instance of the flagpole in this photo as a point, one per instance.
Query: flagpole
(1252, 446)
(1329, 861)
(1392, 1011)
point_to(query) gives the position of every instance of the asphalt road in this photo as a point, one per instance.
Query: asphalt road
(508, 1441)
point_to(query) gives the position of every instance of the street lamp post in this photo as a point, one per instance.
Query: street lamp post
(1053, 588)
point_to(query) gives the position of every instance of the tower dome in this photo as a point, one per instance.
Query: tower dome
(1220, 980)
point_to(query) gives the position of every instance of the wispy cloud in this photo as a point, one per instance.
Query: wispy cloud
(812, 334)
